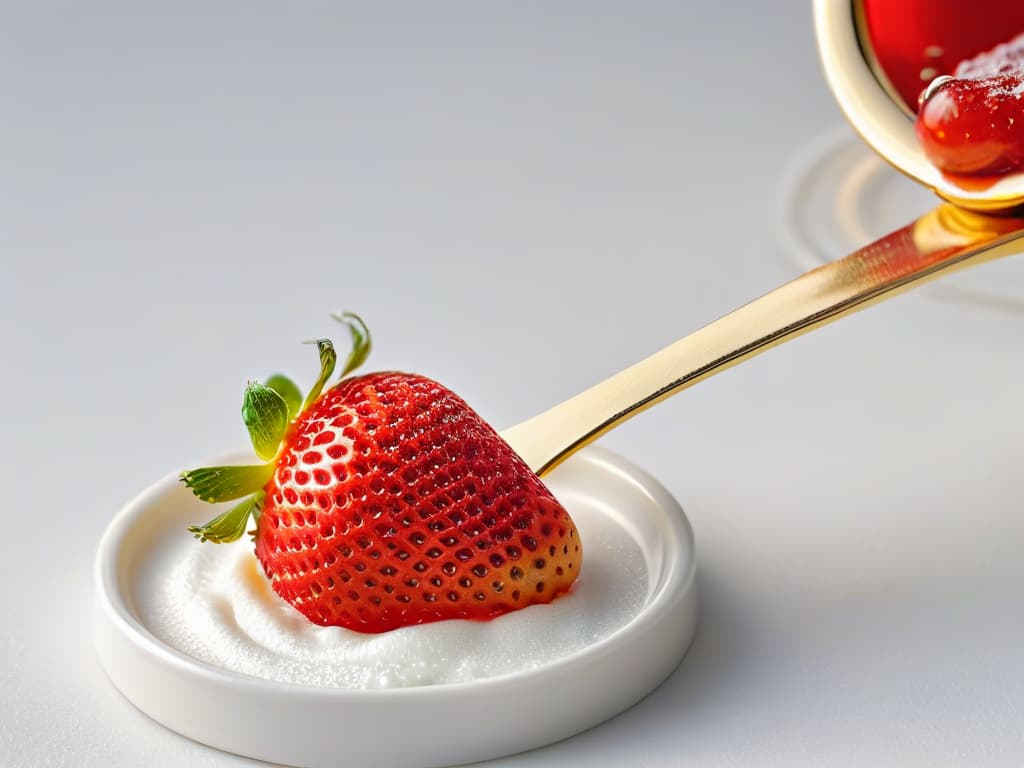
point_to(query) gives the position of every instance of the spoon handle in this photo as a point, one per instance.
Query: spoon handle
(945, 239)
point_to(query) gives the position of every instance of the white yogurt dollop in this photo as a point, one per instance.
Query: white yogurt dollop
(214, 603)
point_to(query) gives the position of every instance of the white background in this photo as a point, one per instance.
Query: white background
(520, 198)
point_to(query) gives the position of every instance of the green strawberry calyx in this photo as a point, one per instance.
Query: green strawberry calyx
(268, 410)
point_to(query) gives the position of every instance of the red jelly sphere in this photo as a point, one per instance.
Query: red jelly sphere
(973, 124)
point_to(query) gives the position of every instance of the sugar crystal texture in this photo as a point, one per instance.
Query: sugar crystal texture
(214, 603)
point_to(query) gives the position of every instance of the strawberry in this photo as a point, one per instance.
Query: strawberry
(386, 501)
(973, 124)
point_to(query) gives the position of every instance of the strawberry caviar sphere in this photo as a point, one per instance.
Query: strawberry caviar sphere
(972, 124)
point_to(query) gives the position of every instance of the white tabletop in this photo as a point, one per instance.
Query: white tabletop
(520, 199)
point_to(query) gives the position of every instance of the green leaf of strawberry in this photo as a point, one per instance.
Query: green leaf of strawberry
(231, 525)
(215, 484)
(328, 359)
(361, 343)
(265, 414)
(288, 390)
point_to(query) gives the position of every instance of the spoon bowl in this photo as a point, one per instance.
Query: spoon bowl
(881, 118)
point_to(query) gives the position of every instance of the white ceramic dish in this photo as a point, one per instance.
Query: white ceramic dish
(487, 718)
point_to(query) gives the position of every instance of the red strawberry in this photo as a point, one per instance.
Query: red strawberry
(389, 503)
(973, 124)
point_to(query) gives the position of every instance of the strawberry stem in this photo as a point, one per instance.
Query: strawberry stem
(231, 525)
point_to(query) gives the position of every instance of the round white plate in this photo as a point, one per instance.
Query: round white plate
(422, 726)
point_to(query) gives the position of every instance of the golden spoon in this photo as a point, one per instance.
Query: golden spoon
(879, 115)
(955, 235)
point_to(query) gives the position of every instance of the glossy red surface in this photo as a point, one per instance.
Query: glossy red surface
(973, 125)
(917, 40)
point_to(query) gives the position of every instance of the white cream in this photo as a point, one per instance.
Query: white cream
(214, 603)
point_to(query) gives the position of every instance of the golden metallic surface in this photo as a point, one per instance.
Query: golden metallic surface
(880, 117)
(941, 241)
(861, 30)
